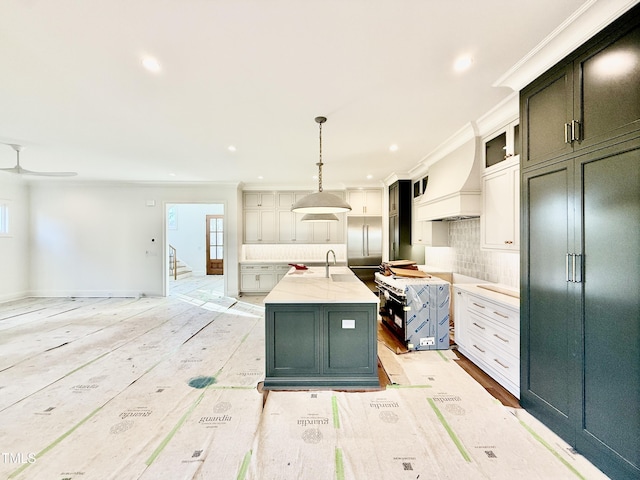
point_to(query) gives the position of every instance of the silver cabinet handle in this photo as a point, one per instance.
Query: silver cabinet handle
(500, 363)
(567, 133)
(478, 305)
(575, 259)
(577, 268)
(477, 347)
(501, 315)
(479, 326)
(575, 130)
(500, 338)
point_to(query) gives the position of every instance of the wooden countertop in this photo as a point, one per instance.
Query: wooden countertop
(311, 286)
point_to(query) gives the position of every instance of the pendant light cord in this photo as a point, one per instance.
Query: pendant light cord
(320, 162)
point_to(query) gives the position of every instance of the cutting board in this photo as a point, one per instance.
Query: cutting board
(400, 263)
(407, 272)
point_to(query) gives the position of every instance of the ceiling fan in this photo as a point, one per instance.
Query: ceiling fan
(23, 171)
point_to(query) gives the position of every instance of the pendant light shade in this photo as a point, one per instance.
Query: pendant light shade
(320, 202)
(319, 217)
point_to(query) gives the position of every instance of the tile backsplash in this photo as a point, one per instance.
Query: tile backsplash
(292, 252)
(465, 256)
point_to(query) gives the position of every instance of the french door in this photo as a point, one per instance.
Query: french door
(215, 244)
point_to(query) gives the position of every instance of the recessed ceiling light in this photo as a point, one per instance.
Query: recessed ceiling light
(172, 174)
(151, 64)
(393, 148)
(260, 177)
(369, 177)
(231, 148)
(315, 177)
(462, 63)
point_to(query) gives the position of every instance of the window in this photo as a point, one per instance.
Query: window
(172, 218)
(4, 217)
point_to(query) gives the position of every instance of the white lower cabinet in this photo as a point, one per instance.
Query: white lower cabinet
(261, 277)
(257, 278)
(487, 332)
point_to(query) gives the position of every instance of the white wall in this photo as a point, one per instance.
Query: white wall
(102, 239)
(190, 236)
(14, 248)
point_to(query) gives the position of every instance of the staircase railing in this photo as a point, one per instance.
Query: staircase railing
(173, 262)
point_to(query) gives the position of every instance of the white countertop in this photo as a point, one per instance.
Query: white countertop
(490, 295)
(287, 262)
(311, 286)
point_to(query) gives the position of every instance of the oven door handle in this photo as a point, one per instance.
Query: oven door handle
(392, 295)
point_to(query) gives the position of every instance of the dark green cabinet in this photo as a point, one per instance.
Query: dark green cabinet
(400, 202)
(321, 345)
(593, 98)
(580, 257)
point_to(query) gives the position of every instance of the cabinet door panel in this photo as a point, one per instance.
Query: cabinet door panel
(609, 94)
(611, 238)
(293, 336)
(545, 110)
(547, 307)
(349, 350)
(252, 226)
(498, 207)
(268, 226)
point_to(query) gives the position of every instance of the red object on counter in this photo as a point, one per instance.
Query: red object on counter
(298, 266)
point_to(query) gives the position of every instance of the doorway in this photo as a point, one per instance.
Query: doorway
(195, 247)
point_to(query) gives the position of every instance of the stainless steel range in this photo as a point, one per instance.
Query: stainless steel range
(416, 310)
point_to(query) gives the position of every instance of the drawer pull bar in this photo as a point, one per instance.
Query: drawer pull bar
(478, 305)
(500, 338)
(501, 315)
(479, 326)
(500, 363)
(476, 346)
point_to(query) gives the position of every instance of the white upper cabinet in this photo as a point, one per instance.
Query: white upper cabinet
(499, 222)
(259, 200)
(268, 219)
(430, 234)
(365, 202)
(501, 146)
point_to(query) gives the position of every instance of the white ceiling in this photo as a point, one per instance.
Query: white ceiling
(253, 74)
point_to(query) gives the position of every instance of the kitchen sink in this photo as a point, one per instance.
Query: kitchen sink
(344, 277)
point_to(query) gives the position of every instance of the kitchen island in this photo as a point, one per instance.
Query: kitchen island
(321, 332)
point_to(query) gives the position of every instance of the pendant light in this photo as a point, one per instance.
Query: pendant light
(319, 217)
(320, 202)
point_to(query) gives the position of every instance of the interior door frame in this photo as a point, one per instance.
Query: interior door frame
(165, 241)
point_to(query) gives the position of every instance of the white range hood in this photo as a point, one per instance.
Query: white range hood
(454, 187)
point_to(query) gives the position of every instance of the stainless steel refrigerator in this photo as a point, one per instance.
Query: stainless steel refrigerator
(364, 247)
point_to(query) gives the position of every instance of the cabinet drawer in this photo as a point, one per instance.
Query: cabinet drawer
(501, 338)
(255, 268)
(488, 357)
(505, 365)
(494, 311)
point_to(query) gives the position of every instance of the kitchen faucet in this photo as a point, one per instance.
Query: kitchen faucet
(326, 266)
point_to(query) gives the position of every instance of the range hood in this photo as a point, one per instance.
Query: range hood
(453, 191)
